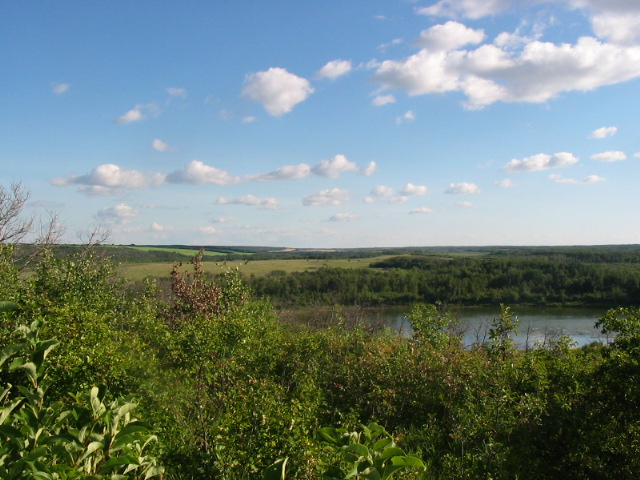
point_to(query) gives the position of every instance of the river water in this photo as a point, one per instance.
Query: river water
(537, 324)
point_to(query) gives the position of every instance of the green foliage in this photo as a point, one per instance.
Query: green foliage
(370, 453)
(431, 324)
(54, 440)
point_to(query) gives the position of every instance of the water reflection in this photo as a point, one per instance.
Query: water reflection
(537, 324)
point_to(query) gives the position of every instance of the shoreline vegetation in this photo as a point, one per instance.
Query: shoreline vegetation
(222, 387)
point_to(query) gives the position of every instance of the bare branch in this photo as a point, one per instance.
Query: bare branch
(13, 227)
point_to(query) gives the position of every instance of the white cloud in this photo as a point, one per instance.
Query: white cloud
(420, 210)
(613, 156)
(380, 100)
(400, 199)
(250, 200)
(248, 119)
(335, 167)
(161, 146)
(59, 88)
(133, 115)
(177, 92)
(450, 36)
(465, 8)
(541, 161)
(407, 117)
(343, 217)
(604, 132)
(368, 169)
(156, 227)
(585, 181)
(334, 69)
(119, 214)
(327, 197)
(382, 191)
(110, 178)
(411, 189)
(465, 204)
(289, 172)
(636, 155)
(535, 73)
(223, 220)
(198, 173)
(463, 188)
(506, 183)
(277, 90)
(208, 230)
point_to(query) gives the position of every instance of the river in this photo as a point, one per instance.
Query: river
(537, 324)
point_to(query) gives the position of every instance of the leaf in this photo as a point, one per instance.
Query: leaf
(392, 452)
(92, 447)
(332, 435)
(357, 448)
(6, 411)
(276, 471)
(408, 461)
(10, 350)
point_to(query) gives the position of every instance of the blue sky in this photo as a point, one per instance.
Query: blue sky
(326, 124)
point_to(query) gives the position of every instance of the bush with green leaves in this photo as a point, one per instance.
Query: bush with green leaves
(41, 439)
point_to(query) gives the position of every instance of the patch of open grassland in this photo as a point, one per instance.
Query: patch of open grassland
(136, 272)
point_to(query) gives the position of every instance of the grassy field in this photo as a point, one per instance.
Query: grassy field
(182, 251)
(137, 272)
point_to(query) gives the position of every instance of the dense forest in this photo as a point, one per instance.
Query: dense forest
(588, 278)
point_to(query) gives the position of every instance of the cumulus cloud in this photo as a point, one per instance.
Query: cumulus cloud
(613, 156)
(463, 188)
(335, 167)
(382, 191)
(399, 199)
(289, 172)
(334, 69)
(368, 169)
(380, 100)
(208, 230)
(604, 132)
(636, 155)
(133, 115)
(161, 146)
(249, 119)
(223, 220)
(473, 9)
(541, 161)
(408, 116)
(326, 197)
(506, 183)
(585, 181)
(110, 178)
(59, 88)
(250, 200)
(198, 173)
(156, 227)
(343, 217)
(449, 36)
(411, 189)
(534, 73)
(177, 92)
(136, 113)
(465, 204)
(277, 90)
(119, 214)
(420, 210)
